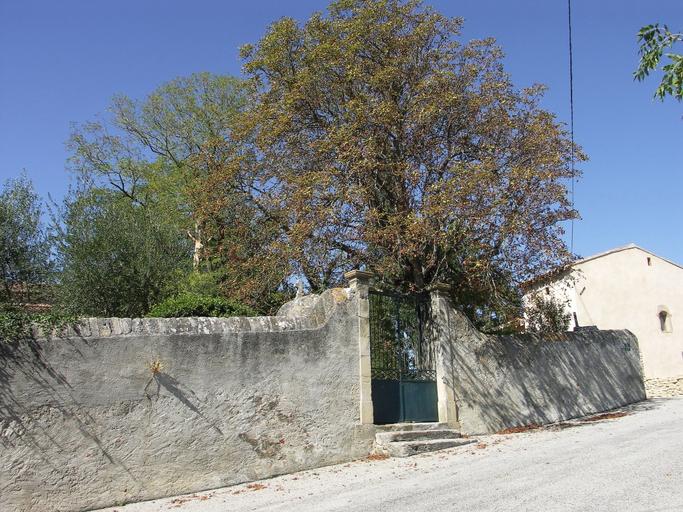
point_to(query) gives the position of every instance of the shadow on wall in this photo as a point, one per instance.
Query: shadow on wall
(26, 377)
(25, 362)
(187, 397)
(508, 381)
(87, 421)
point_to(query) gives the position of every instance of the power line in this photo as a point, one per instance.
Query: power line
(571, 116)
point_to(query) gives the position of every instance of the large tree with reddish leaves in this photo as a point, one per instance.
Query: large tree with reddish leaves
(378, 138)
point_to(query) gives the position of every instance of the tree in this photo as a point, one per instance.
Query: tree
(25, 246)
(547, 314)
(117, 257)
(161, 148)
(379, 139)
(163, 153)
(654, 40)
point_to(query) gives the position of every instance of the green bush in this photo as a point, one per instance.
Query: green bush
(547, 315)
(16, 324)
(190, 282)
(117, 257)
(192, 304)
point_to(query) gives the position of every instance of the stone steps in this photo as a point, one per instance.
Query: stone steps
(415, 435)
(406, 439)
(405, 427)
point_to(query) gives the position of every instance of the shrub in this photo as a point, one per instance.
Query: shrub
(16, 324)
(25, 244)
(117, 257)
(547, 315)
(191, 304)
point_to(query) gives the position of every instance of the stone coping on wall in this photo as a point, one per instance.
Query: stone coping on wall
(315, 315)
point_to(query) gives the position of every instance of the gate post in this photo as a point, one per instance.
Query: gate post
(359, 282)
(440, 308)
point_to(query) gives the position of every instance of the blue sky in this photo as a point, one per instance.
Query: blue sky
(62, 61)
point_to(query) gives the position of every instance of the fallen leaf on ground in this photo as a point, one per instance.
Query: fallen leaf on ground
(605, 416)
(377, 456)
(256, 486)
(518, 430)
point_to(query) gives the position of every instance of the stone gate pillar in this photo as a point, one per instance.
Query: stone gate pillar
(359, 282)
(440, 313)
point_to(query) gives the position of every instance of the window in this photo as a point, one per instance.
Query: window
(664, 321)
(649, 261)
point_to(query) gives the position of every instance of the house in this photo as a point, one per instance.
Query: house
(627, 288)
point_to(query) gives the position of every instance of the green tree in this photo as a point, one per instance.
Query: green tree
(654, 40)
(117, 257)
(547, 315)
(25, 247)
(163, 153)
(162, 148)
(378, 138)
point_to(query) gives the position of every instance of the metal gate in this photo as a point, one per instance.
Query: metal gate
(402, 359)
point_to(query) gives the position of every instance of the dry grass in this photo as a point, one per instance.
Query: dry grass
(156, 366)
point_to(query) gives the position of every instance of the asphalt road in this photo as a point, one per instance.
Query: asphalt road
(630, 463)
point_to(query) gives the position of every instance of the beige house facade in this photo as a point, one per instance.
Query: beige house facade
(628, 288)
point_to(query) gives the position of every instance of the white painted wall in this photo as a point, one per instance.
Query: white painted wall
(620, 290)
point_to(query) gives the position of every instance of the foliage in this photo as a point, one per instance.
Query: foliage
(653, 40)
(159, 154)
(218, 284)
(492, 311)
(17, 324)
(178, 123)
(192, 304)
(24, 242)
(375, 137)
(117, 257)
(159, 150)
(271, 302)
(547, 314)
(197, 283)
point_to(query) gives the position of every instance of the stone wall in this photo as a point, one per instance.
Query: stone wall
(498, 382)
(85, 422)
(664, 388)
(127, 410)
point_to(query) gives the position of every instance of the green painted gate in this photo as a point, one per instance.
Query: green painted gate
(402, 359)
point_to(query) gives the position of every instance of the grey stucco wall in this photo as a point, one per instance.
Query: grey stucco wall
(85, 423)
(506, 381)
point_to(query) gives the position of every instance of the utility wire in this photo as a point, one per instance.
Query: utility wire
(571, 117)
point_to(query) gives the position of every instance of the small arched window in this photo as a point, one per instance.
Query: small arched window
(664, 321)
